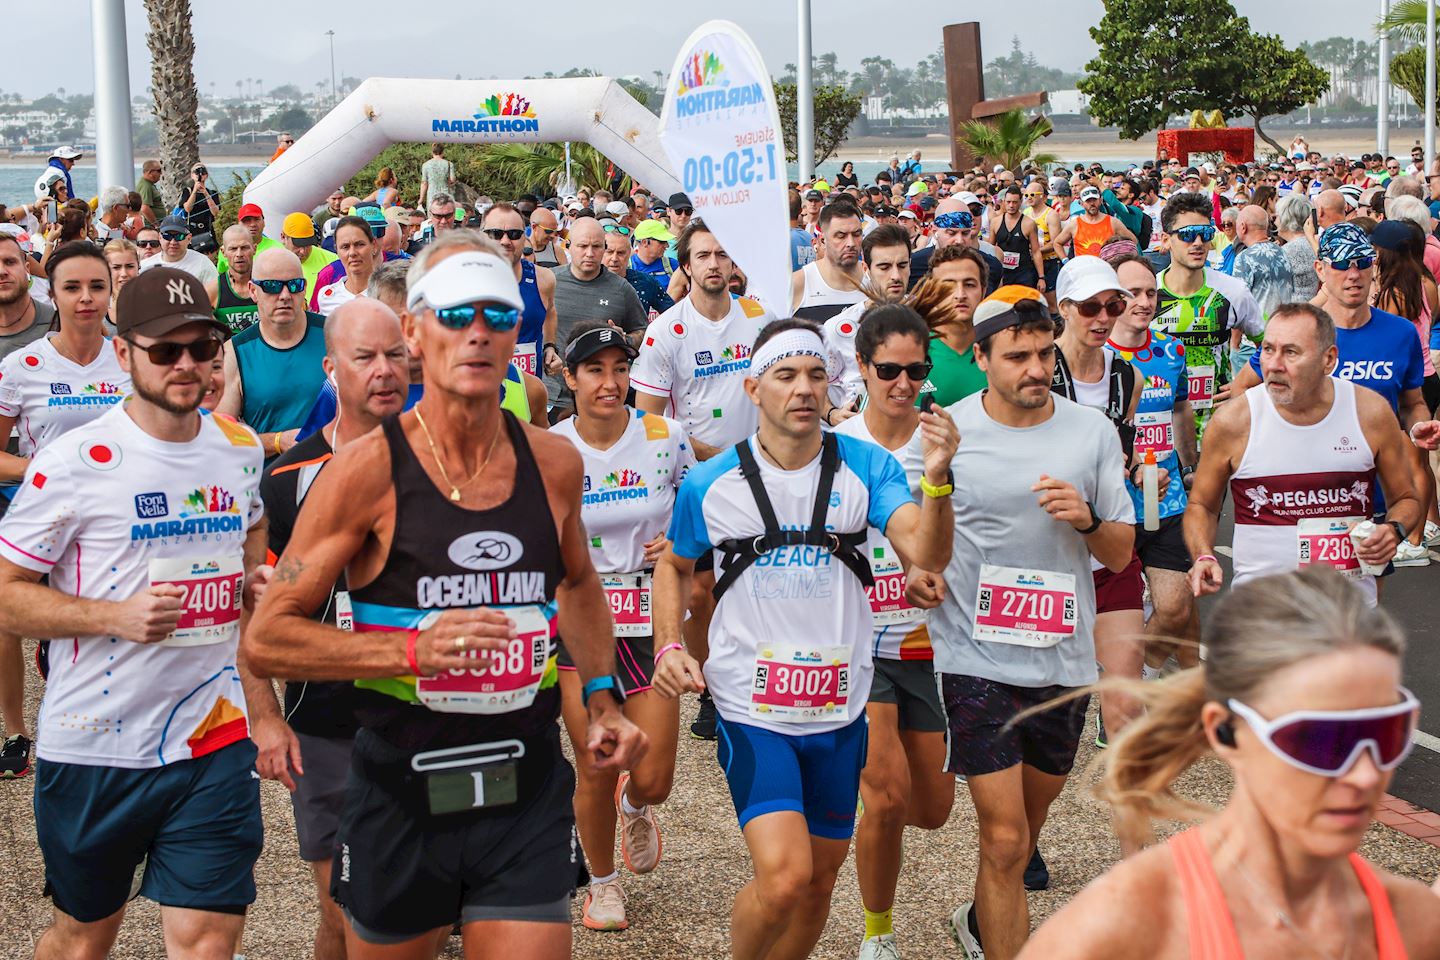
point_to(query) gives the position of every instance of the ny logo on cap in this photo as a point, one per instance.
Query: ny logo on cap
(179, 292)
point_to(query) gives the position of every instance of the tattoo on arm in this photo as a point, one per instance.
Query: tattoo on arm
(288, 570)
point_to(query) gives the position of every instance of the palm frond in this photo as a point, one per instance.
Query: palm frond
(1405, 21)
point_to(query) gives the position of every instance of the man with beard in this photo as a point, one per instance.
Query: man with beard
(821, 289)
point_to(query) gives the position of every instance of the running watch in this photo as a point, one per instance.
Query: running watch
(596, 684)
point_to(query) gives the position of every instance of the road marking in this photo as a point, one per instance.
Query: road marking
(1427, 740)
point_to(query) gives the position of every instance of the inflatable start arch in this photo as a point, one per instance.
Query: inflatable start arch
(596, 110)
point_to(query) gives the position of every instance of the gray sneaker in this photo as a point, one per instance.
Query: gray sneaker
(960, 932)
(882, 947)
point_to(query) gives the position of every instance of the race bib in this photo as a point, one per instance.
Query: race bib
(1027, 608)
(1202, 387)
(1009, 260)
(1327, 542)
(888, 605)
(800, 684)
(1155, 433)
(210, 611)
(525, 358)
(502, 681)
(629, 596)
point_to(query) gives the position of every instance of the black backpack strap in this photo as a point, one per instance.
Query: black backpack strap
(1122, 391)
(1060, 380)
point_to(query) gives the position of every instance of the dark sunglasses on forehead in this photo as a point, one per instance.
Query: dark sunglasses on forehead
(1090, 309)
(917, 372)
(514, 233)
(273, 287)
(499, 319)
(167, 352)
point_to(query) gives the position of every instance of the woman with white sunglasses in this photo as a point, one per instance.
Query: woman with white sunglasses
(1300, 696)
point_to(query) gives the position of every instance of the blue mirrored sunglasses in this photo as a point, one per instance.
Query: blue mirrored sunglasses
(1198, 231)
(1345, 263)
(273, 287)
(499, 319)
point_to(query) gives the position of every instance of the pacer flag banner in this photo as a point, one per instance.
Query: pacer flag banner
(721, 130)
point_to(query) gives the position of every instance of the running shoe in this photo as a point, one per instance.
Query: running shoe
(639, 833)
(1431, 536)
(960, 932)
(704, 726)
(15, 757)
(1037, 875)
(882, 947)
(605, 907)
(1100, 740)
(1411, 555)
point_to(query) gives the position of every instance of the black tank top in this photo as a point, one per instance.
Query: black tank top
(444, 556)
(233, 310)
(1013, 240)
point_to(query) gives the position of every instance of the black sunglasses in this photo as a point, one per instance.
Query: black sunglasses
(1091, 308)
(683, 211)
(917, 372)
(147, 244)
(167, 352)
(514, 233)
(173, 236)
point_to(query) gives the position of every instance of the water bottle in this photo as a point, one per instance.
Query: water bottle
(1150, 483)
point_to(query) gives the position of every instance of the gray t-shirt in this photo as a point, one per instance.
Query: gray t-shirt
(437, 172)
(44, 315)
(998, 522)
(1301, 257)
(606, 297)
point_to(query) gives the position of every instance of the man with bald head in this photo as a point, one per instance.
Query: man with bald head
(272, 368)
(952, 229)
(365, 357)
(1261, 263)
(585, 290)
(547, 249)
(230, 291)
(1330, 208)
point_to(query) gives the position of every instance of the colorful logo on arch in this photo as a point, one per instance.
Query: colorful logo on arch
(505, 105)
(701, 69)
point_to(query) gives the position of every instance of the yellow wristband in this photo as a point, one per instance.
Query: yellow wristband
(931, 490)
(275, 442)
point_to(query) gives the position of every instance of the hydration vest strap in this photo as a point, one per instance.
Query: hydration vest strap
(739, 554)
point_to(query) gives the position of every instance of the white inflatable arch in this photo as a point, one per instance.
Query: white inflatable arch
(596, 110)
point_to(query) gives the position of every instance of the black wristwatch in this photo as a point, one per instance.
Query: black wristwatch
(549, 346)
(1095, 521)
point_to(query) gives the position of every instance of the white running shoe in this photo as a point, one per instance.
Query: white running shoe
(960, 932)
(1410, 555)
(639, 833)
(605, 907)
(1431, 536)
(882, 947)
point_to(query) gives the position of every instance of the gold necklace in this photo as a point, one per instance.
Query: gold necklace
(454, 490)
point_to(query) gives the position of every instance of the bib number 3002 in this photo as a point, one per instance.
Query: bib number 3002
(210, 609)
(1027, 608)
(501, 681)
(795, 684)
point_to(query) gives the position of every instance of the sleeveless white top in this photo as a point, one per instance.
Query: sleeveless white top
(1277, 506)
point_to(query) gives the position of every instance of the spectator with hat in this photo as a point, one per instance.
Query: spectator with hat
(298, 235)
(175, 252)
(652, 241)
(201, 204)
(62, 160)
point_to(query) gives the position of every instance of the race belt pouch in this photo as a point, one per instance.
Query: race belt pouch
(478, 776)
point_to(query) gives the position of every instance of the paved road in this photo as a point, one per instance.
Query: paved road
(1412, 595)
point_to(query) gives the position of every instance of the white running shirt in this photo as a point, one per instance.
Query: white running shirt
(795, 601)
(48, 394)
(330, 297)
(629, 489)
(839, 332)
(700, 366)
(104, 510)
(196, 264)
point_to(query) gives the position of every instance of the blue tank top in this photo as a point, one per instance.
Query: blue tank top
(279, 385)
(532, 318)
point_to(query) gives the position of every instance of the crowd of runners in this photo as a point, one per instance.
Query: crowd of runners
(459, 477)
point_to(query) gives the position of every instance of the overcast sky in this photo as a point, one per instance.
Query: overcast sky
(283, 41)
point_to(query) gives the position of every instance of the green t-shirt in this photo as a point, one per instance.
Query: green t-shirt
(954, 377)
(150, 197)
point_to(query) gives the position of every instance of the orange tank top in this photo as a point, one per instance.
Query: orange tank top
(1212, 930)
(1090, 237)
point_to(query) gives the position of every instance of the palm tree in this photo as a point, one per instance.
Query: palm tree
(1406, 21)
(172, 76)
(522, 167)
(1010, 138)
